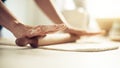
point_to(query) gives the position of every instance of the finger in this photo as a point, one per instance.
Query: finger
(91, 33)
(94, 33)
(42, 30)
(75, 31)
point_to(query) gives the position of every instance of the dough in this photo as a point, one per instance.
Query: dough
(82, 47)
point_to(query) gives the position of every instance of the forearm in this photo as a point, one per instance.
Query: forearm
(7, 19)
(50, 10)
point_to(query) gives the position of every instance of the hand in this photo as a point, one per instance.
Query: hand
(32, 35)
(77, 32)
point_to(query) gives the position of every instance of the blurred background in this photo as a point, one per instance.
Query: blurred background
(94, 15)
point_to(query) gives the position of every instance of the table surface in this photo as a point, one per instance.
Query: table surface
(22, 57)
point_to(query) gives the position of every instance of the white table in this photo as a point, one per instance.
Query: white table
(17, 57)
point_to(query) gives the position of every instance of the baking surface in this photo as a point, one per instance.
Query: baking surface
(24, 57)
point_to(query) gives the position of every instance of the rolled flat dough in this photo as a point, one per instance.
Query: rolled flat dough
(82, 47)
